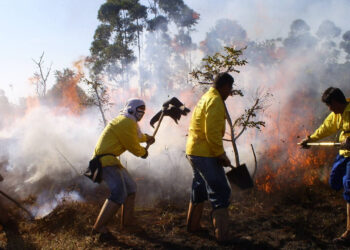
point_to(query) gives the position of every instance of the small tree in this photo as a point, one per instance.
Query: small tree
(227, 62)
(100, 97)
(40, 78)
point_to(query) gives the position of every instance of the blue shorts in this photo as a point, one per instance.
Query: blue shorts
(209, 182)
(119, 182)
(340, 176)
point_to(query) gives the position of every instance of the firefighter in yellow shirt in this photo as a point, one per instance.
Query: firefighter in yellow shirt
(206, 154)
(337, 120)
(121, 134)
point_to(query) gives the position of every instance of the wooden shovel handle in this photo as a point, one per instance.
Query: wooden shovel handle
(156, 129)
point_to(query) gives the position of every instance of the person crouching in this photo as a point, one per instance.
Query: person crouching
(120, 135)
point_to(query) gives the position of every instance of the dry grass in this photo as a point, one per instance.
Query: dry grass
(301, 218)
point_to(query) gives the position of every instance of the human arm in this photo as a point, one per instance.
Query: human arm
(128, 137)
(328, 127)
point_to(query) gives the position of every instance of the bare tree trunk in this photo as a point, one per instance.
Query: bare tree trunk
(138, 40)
(100, 107)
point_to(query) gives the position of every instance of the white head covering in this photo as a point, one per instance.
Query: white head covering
(130, 107)
(130, 111)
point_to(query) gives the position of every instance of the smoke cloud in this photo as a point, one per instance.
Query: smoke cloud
(295, 59)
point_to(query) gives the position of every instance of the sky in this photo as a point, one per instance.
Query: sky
(64, 29)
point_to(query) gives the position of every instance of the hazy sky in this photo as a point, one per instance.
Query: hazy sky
(64, 29)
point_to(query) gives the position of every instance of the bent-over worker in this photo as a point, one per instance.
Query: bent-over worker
(120, 135)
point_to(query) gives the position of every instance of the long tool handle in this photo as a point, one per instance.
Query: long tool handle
(235, 150)
(156, 129)
(18, 204)
(70, 164)
(329, 144)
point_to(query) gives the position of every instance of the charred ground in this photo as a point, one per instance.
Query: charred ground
(305, 217)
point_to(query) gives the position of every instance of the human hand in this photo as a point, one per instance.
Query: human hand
(145, 155)
(345, 144)
(224, 160)
(150, 139)
(304, 142)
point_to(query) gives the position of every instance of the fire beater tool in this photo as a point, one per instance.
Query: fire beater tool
(239, 175)
(327, 144)
(173, 108)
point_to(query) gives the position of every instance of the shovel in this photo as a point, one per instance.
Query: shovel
(173, 108)
(239, 175)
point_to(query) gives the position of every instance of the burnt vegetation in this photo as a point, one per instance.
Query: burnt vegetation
(301, 218)
(291, 205)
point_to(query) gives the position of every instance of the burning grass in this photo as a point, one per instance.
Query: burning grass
(303, 217)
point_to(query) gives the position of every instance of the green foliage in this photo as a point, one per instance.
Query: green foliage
(220, 62)
(171, 10)
(114, 39)
(179, 12)
(158, 23)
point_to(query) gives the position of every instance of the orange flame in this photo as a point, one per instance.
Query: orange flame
(285, 164)
(70, 97)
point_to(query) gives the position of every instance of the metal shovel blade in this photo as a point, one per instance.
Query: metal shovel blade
(240, 177)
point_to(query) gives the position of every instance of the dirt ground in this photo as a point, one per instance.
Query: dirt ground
(298, 218)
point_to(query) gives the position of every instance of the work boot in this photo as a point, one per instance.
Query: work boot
(127, 214)
(108, 209)
(345, 237)
(220, 223)
(194, 215)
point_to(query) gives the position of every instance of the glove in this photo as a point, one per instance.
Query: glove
(150, 139)
(304, 142)
(145, 155)
(224, 160)
(345, 144)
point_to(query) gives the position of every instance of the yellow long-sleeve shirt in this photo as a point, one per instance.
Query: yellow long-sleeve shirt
(332, 124)
(119, 135)
(207, 126)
